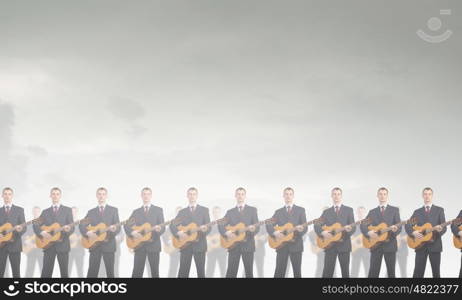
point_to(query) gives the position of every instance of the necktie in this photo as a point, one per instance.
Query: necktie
(427, 209)
(7, 208)
(240, 209)
(289, 209)
(145, 209)
(382, 209)
(192, 208)
(337, 210)
(101, 210)
(55, 209)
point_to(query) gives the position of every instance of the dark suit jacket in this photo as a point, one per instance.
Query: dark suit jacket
(62, 217)
(455, 227)
(297, 216)
(15, 217)
(110, 217)
(435, 217)
(200, 216)
(390, 217)
(345, 217)
(248, 216)
(154, 216)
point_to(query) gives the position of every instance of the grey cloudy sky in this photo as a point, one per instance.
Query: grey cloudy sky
(220, 94)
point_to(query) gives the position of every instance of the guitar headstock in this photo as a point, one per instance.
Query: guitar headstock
(412, 221)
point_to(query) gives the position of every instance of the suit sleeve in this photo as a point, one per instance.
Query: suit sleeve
(161, 220)
(455, 227)
(318, 226)
(221, 226)
(408, 227)
(397, 219)
(442, 219)
(83, 226)
(302, 221)
(70, 220)
(350, 220)
(270, 227)
(115, 220)
(173, 227)
(364, 227)
(36, 226)
(207, 220)
(128, 228)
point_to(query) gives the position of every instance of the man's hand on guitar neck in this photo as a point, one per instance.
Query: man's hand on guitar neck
(91, 234)
(326, 234)
(438, 228)
(18, 228)
(394, 228)
(348, 228)
(67, 228)
(203, 228)
(299, 228)
(112, 228)
(157, 228)
(252, 228)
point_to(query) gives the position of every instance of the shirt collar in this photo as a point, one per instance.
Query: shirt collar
(55, 205)
(384, 206)
(8, 205)
(103, 206)
(429, 206)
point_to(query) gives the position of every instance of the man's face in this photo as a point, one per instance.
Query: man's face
(101, 195)
(382, 195)
(336, 197)
(192, 197)
(7, 196)
(427, 196)
(240, 196)
(55, 196)
(288, 197)
(146, 195)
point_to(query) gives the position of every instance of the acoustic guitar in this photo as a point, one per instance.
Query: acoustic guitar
(101, 231)
(240, 233)
(288, 231)
(146, 233)
(383, 233)
(457, 240)
(7, 231)
(428, 231)
(192, 232)
(55, 230)
(337, 231)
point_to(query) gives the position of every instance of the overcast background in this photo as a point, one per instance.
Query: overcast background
(221, 94)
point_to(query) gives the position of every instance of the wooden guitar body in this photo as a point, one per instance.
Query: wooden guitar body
(370, 243)
(191, 230)
(336, 237)
(146, 235)
(54, 231)
(101, 235)
(457, 240)
(8, 237)
(288, 231)
(239, 229)
(415, 243)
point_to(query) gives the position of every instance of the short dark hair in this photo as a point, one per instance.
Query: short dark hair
(146, 189)
(382, 189)
(192, 189)
(8, 189)
(289, 189)
(337, 189)
(101, 189)
(56, 189)
(241, 189)
(427, 189)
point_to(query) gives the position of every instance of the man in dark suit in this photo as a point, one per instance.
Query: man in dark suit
(246, 214)
(199, 215)
(434, 215)
(344, 215)
(458, 233)
(11, 249)
(389, 215)
(153, 215)
(62, 215)
(108, 215)
(295, 215)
